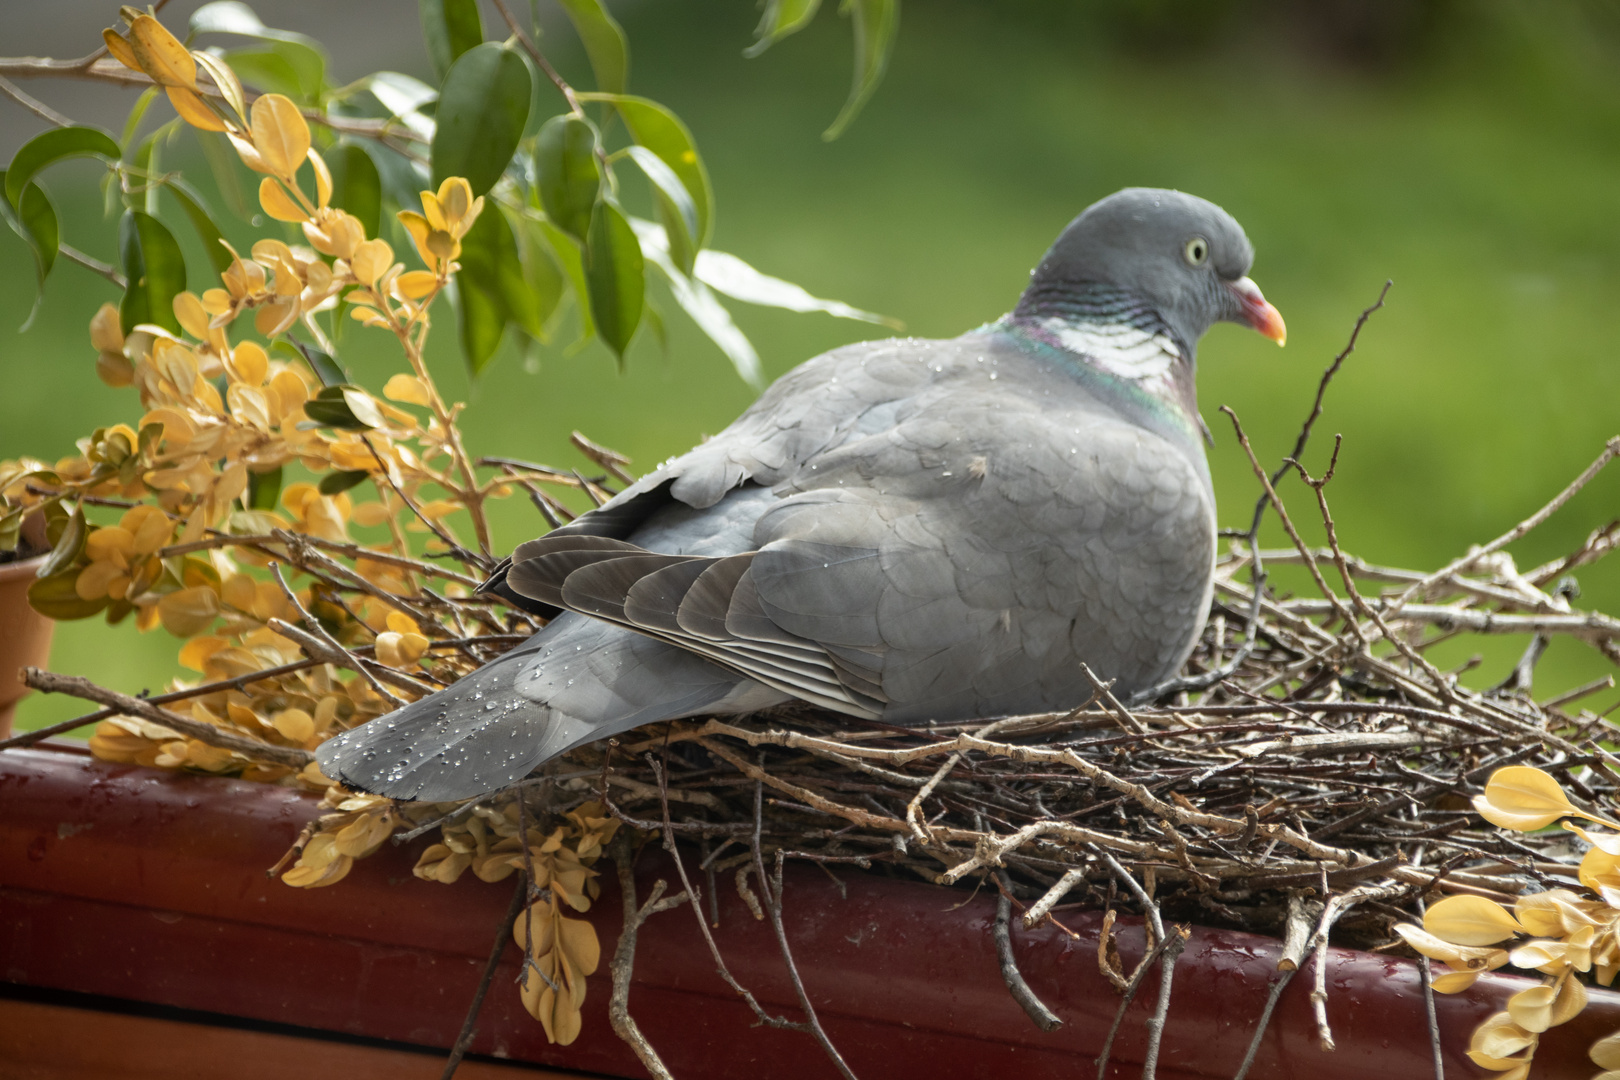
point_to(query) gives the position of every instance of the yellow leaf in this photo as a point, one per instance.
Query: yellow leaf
(1608, 842)
(1532, 1009)
(194, 654)
(1500, 1037)
(95, 580)
(118, 46)
(188, 309)
(1523, 798)
(417, 226)
(454, 199)
(113, 543)
(370, 260)
(406, 388)
(323, 178)
(1605, 1053)
(1599, 869)
(1454, 982)
(277, 203)
(1570, 1001)
(105, 332)
(225, 79)
(1470, 920)
(193, 109)
(249, 363)
(160, 54)
(280, 135)
(276, 317)
(189, 611)
(294, 725)
(415, 284)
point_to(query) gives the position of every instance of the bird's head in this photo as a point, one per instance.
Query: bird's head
(1183, 256)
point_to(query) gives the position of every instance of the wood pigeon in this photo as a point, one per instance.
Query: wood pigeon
(905, 530)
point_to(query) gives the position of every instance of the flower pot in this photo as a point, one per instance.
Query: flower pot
(25, 634)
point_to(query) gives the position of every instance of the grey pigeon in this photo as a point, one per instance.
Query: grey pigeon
(902, 530)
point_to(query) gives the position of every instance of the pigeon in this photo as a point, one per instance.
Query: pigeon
(901, 531)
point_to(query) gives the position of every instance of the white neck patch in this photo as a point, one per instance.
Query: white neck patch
(1119, 349)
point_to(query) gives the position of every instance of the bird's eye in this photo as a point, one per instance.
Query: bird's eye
(1196, 251)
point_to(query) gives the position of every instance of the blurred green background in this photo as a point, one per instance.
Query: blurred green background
(1469, 152)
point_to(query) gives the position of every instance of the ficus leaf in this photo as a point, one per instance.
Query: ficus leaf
(450, 28)
(781, 18)
(492, 291)
(542, 276)
(1470, 920)
(405, 98)
(570, 177)
(604, 43)
(264, 489)
(334, 483)
(483, 105)
(356, 185)
(730, 275)
(572, 261)
(676, 210)
(46, 149)
(616, 274)
(876, 23)
(35, 221)
(326, 369)
(154, 269)
(342, 406)
(263, 68)
(191, 202)
(661, 131)
(700, 305)
(303, 54)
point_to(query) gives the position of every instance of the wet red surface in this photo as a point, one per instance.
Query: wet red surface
(150, 886)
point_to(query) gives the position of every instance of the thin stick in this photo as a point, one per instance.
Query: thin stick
(33, 104)
(1044, 905)
(50, 682)
(469, 1026)
(317, 641)
(1155, 1024)
(1125, 1001)
(1033, 1007)
(1297, 935)
(624, 956)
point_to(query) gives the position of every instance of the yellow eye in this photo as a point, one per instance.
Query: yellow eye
(1196, 251)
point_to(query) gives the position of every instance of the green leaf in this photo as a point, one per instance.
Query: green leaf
(56, 597)
(616, 274)
(266, 69)
(675, 207)
(155, 270)
(356, 186)
(404, 98)
(730, 275)
(336, 482)
(492, 289)
(542, 276)
(136, 113)
(481, 320)
(700, 305)
(661, 131)
(48, 148)
(305, 55)
(483, 106)
(341, 406)
(781, 18)
(264, 488)
(572, 260)
(11, 529)
(34, 221)
(450, 28)
(876, 23)
(212, 239)
(569, 175)
(604, 43)
(66, 551)
(322, 364)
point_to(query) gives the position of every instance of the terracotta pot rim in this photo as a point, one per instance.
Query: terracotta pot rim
(22, 568)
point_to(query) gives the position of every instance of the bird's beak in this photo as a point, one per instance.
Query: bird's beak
(1259, 314)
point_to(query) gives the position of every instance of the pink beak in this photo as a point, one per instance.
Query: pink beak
(1261, 315)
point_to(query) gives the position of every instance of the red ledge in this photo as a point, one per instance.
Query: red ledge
(150, 886)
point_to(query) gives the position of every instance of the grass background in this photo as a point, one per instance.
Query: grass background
(1471, 156)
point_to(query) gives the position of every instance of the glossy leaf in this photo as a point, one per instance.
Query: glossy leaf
(492, 289)
(46, 149)
(569, 174)
(781, 18)
(345, 407)
(356, 185)
(326, 369)
(542, 276)
(661, 131)
(155, 271)
(483, 106)
(450, 28)
(212, 239)
(876, 23)
(264, 489)
(604, 43)
(267, 70)
(730, 275)
(404, 97)
(304, 54)
(335, 482)
(700, 305)
(616, 274)
(35, 221)
(571, 258)
(675, 207)
(66, 550)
